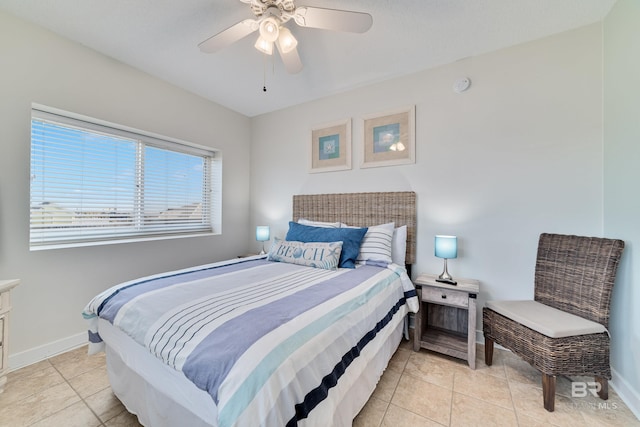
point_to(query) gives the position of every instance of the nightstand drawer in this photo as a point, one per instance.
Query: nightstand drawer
(445, 297)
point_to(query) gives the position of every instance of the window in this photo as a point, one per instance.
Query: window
(94, 182)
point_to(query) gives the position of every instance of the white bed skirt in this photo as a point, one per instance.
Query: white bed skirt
(163, 397)
(157, 394)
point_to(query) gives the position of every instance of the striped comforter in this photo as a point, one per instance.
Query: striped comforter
(266, 340)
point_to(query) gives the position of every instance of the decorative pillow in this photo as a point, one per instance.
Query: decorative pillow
(317, 254)
(350, 238)
(310, 223)
(376, 245)
(399, 245)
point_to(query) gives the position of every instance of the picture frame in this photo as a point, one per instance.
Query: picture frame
(389, 138)
(331, 147)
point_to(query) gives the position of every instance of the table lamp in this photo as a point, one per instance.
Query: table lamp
(446, 247)
(262, 235)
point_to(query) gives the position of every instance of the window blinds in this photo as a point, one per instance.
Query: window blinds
(96, 183)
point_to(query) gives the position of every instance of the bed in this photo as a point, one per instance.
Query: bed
(257, 341)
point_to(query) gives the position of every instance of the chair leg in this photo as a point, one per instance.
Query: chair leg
(604, 388)
(488, 351)
(549, 391)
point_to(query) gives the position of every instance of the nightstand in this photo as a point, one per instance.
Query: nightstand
(446, 320)
(5, 308)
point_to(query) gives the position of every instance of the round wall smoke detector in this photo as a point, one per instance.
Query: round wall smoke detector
(461, 85)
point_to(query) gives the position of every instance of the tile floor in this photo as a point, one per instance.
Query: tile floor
(417, 389)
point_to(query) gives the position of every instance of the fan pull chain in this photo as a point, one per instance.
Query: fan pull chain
(264, 72)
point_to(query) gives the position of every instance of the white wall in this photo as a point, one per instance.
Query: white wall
(518, 154)
(38, 66)
(621, 178)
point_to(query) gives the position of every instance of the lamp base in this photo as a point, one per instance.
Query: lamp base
(445, 277)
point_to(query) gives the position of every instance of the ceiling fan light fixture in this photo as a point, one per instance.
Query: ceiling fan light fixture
(270, 18)
(269, 29)
(286, 41)
(264, 46)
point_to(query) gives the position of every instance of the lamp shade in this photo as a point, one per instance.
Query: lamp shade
(446, 247)
(269, 29)
(286, 42)
(264, 46)
(262, 233)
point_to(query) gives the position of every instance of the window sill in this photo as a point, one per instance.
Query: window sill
(118, 241)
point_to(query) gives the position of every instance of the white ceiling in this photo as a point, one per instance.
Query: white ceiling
(160, 37)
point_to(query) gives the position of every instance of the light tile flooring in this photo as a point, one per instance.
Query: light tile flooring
(417, 389)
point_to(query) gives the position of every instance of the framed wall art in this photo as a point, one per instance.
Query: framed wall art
(331, 147)
(389, 138)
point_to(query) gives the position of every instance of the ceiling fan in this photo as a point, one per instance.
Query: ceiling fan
(271, 15)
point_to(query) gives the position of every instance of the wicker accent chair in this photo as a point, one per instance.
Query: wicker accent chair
(563, 331)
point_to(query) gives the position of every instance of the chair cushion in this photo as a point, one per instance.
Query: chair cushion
(547, 320)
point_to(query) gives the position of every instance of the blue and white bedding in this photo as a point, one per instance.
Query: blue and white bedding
(266, 340)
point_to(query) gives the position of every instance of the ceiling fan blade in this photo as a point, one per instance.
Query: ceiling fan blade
(332, 19)
(291, 60)
(231, 35)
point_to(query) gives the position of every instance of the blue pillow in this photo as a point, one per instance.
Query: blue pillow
(350, 238)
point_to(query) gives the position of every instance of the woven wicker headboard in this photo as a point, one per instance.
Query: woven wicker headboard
(362, 210)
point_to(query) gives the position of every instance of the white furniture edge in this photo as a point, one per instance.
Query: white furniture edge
(5, 319)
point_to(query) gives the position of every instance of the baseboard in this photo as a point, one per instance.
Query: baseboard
(630, 396)
(37, 354)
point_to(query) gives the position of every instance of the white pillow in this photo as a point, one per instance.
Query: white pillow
(310, 223)
(376, 244)
(399, 245)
